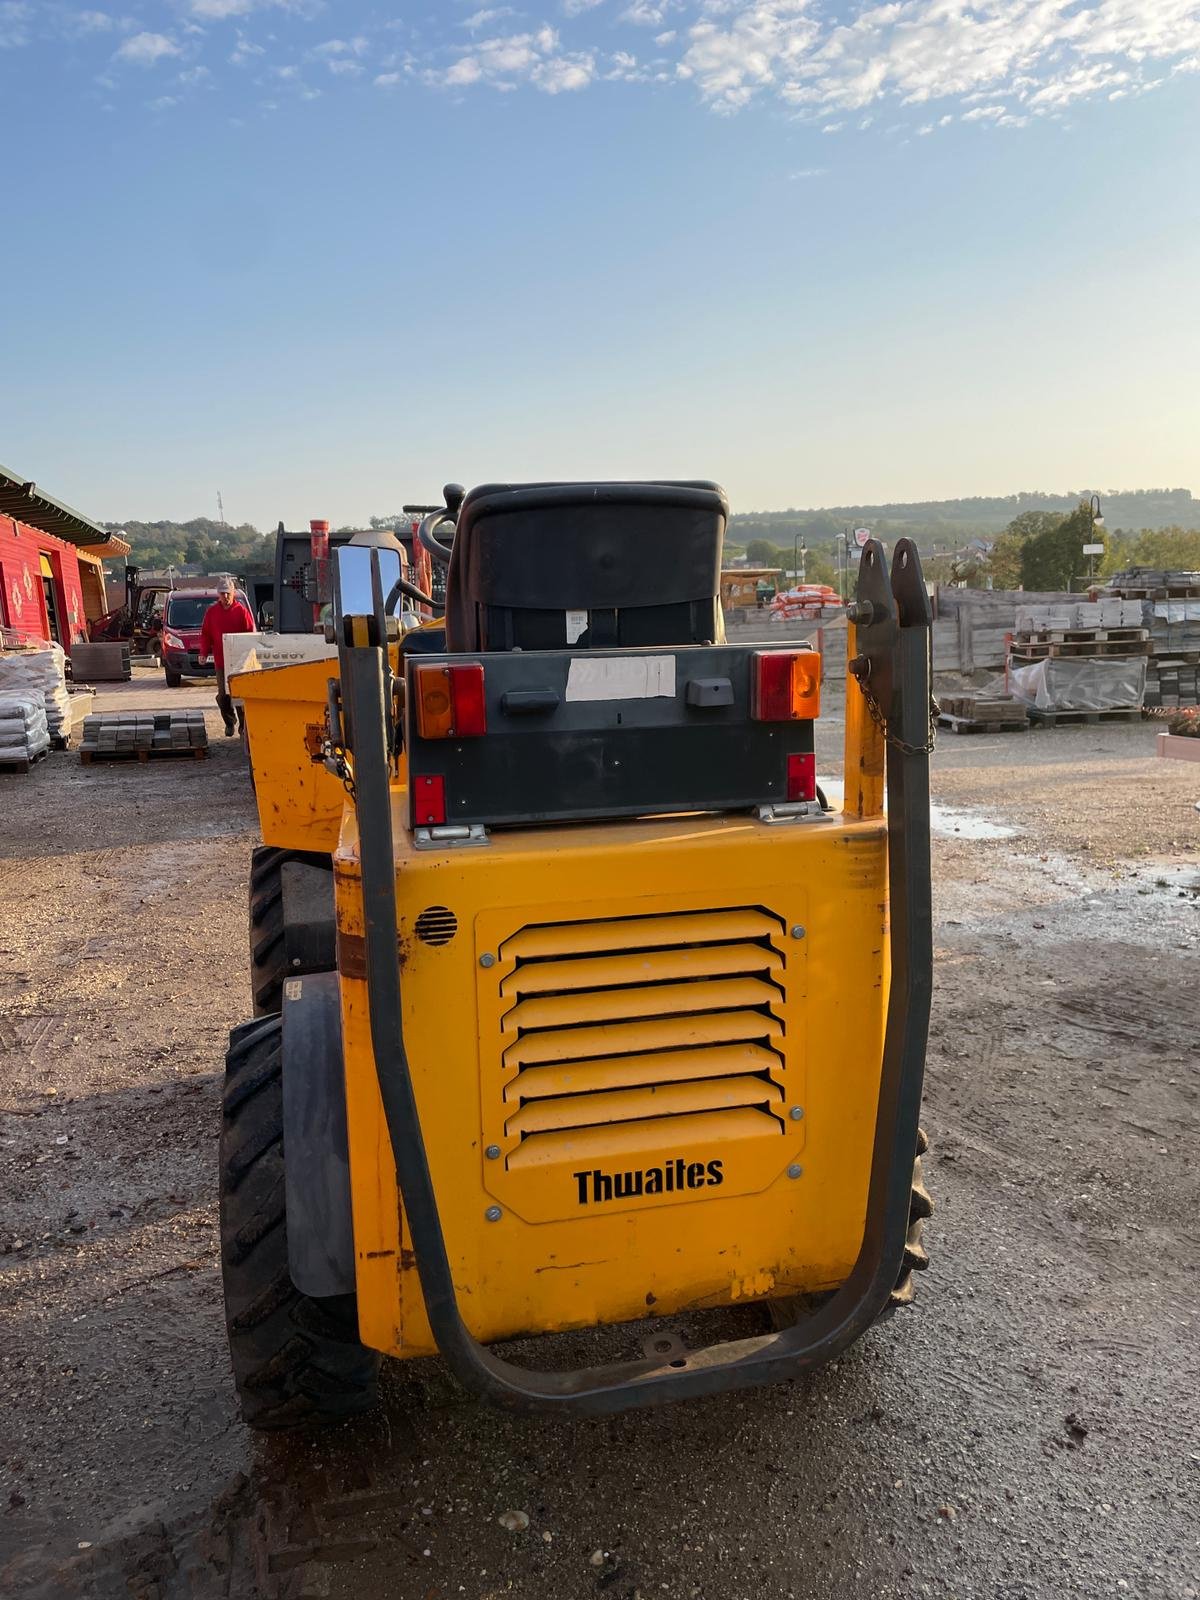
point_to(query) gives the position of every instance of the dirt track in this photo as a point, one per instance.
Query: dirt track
(1031, 1429)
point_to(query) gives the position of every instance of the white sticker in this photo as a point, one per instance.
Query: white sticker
(577, 625)
(622, 678)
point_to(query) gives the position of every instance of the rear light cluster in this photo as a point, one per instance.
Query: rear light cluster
(450, 702)
(785, 686)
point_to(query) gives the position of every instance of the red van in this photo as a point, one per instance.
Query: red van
(182, 619)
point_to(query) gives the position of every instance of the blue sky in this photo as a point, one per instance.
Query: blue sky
(324, 256)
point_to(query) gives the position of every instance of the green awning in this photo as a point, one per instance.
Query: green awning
(27, 503)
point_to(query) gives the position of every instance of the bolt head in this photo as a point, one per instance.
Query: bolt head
(493, 1213)
(487, 959)
(796, 1113)
(795, 1170)
(492, 1152)
(798, 930)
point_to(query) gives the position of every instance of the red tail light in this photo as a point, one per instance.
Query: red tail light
(429, 801)
(802, 776)
(785, 685)
(450, 702)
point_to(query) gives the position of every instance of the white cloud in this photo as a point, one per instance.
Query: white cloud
(91, 22)
(220, 10)
(507, 61)
(1040, 53)
(576, 8)
(807, 172)
(388, 80)
(245, 51)
(144, 49)
(480, 19)
(344, 67)
(163, 103)
(358, 46)
(15, 16)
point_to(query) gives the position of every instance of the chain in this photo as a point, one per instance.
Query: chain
(342, 767)
(880, 721)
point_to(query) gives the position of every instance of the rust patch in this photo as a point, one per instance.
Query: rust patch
(351, 954)
(408, 1259)
(374, 1255)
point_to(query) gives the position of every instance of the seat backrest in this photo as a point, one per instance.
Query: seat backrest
(547, 566)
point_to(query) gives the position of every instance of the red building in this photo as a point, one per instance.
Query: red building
(51, 577)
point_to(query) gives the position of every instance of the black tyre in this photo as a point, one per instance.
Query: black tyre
(784, 1313)
(297, 1361)
(920, 1206)
(268, 951)
(174, 679)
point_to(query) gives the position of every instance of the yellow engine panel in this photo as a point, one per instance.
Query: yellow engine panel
(299, 800)
(650, 1051)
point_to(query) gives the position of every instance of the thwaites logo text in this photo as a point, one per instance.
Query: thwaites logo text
(673, 1177)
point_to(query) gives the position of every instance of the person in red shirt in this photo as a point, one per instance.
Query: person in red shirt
(227, 615)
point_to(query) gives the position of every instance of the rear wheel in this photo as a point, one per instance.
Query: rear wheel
(296, 1360)
(268, 948)
(785, 1313)
(920, 1206)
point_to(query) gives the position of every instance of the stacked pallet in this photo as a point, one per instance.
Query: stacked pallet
(1070, 615)
(24, 738)
(113, 735)
(969, 713)
(100, 663)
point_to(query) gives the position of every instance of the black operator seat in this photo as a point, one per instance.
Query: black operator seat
(547, 566)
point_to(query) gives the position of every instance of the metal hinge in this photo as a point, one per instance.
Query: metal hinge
(793, 811)
(451, 836)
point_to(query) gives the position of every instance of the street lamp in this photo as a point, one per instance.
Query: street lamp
(1096, 517)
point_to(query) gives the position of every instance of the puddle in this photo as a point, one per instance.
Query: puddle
(948, 822)
(952, 823)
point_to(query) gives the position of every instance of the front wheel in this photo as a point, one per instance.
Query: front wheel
(297, 1360)
(174, 679)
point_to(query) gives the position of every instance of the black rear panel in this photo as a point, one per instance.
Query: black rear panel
(551, 755)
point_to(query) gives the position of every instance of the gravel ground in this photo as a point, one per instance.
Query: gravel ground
(1031, 1428)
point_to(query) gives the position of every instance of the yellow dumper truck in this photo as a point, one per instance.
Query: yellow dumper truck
(578, 1003)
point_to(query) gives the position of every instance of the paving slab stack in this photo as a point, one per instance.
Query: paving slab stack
(33, 688)
(137, 733)
(1080, 656)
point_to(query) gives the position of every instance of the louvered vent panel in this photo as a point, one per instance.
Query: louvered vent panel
(632, 1023)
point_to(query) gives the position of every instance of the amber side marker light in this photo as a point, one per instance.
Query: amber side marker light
(785, 685)
(451, 702)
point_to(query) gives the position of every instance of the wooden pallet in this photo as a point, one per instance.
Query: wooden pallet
(1051, 719)
(200, 752)
(1080, 635)
(974, 725)
(1039, 649)
(25, 763)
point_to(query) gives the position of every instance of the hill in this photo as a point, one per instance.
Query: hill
(943, 524)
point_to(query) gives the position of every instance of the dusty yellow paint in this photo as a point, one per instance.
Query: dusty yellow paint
(652, 1092)
(644, 1007)
(299, 802)
(864, 747)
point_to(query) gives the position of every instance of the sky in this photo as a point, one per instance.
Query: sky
(323, 256)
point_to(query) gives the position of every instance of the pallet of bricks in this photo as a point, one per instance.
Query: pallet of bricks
(1080, 661)
(35, 710)
(970, 713)
(143, 735)
(1170, 604)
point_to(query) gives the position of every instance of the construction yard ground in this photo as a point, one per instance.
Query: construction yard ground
(1031, 1428)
